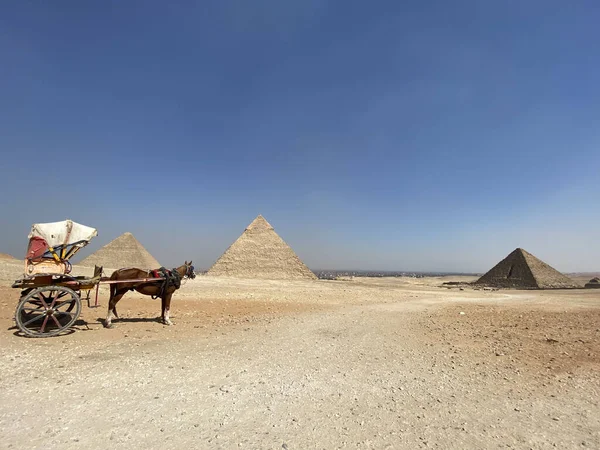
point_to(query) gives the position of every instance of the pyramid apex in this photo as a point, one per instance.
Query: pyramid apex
(260, 223)
(524, 252)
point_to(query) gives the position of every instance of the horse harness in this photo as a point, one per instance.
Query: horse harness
(170, 278)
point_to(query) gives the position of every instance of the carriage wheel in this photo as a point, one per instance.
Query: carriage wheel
(38, 303)
(47, 311)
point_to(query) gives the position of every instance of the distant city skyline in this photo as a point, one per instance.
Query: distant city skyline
(397, 136)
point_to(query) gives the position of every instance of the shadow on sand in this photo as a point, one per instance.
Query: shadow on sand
(131, 320)
(79, 325)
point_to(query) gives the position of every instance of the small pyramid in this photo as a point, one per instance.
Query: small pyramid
(6, 256)
(260, 253)
(594, 283)
(124, 251)
(522, 270)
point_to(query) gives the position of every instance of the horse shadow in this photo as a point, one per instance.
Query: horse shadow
(131, 320)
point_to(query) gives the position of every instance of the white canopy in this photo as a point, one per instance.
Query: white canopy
(66, 232)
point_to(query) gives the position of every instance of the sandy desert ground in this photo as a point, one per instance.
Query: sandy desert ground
(356, 363)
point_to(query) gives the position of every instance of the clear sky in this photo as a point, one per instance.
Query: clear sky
(373, 135)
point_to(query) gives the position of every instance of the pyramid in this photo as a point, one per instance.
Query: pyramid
(124, 251)
(522, 270)
(594, 283)
(6, 256)
(260, 253)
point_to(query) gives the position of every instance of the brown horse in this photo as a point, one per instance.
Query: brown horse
(154, 288)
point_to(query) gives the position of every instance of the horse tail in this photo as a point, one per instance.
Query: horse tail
(113, 292)
(113, 286)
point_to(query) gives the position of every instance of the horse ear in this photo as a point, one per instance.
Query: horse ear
(185, 262)
(190, 262)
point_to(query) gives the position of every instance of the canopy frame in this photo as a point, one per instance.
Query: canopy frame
(51, 245)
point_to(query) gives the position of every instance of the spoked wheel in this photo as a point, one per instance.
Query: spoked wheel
(47, 311)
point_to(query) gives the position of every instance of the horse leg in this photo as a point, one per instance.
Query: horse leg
(166, 306)
(112, 307)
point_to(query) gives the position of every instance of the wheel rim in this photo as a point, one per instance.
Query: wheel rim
(48, 311)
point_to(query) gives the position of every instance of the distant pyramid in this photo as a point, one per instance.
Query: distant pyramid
(124, 251)
(260, 253)
(522, 270)
(6, 256)
(594, 283)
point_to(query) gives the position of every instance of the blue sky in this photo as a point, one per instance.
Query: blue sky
(373, 135)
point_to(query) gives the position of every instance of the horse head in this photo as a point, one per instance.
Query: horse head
(189, 271)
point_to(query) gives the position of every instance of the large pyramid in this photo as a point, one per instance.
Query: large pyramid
(522, 270)
(260, 253)
(124, 251)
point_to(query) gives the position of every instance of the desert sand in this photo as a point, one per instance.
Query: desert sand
(354, 363)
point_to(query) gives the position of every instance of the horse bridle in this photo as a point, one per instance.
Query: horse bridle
(189, 272)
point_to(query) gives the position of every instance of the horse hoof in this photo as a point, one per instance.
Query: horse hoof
(167, 322)
(108, 325)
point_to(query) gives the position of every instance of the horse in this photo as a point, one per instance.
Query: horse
(153, 288)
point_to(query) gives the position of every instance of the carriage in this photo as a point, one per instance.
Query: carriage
(50, 301)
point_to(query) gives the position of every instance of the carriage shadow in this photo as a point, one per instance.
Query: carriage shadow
(83, 325)
(79, 325)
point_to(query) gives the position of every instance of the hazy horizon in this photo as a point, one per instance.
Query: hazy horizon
(393, 136)
(157, 248)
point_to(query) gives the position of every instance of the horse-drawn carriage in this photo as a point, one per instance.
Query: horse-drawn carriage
(50, 300)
